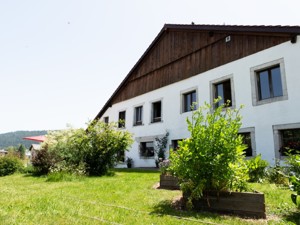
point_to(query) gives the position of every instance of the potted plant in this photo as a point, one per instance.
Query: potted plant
(210, 164)
(129, 162)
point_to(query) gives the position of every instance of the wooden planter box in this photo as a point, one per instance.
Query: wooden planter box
(243, 204)
(169, 182)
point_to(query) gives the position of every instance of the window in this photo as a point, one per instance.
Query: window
(247, 141)
(156, 112)
(121, 156)
(147, 149)
(268, 83)
(223, 90)
(122, 117)
(106, 119)
(189, 99)
(175, 144)
(138, 115)
(286, 137)
(290, 141)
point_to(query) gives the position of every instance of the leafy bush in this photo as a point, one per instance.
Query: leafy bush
(212, 158)
(43, 161)
(257, 168)
(278, 174)
(293, 162)
(79, 151)
(104, 142)
(10, 165)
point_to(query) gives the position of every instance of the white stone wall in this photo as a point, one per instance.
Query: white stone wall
(261, 117)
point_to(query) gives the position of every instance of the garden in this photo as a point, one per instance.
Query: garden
(72, 179)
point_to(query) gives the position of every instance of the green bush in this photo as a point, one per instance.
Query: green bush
(278, 174)
(10, 165)
(43, 161)
(212, 158)
(293, 162)
(257, 168)
(92, 151)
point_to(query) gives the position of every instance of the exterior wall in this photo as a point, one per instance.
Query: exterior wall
(260, 117)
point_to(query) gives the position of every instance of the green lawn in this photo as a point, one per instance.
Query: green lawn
(128, 197)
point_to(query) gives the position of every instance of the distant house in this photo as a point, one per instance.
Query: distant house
(35, 147)
(257, 66)
(3, 152)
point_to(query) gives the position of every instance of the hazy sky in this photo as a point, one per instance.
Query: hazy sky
(60, 60)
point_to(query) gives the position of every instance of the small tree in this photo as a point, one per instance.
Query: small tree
(22, 151)
(104, 142)
(212, 158)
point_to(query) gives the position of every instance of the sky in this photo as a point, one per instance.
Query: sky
(61, 60)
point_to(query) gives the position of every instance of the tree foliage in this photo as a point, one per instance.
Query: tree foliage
(92, 151)
(9, 165)
(212, 158)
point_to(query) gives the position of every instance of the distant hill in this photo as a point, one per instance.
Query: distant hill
(16, 138)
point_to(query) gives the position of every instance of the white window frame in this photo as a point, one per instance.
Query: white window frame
(254, 82)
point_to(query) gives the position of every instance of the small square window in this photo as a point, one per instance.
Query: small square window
(156, 112)
(122, 117)
(138, 116)
(223, 90)
(175, 144)
(290, 141)
(106, 119)
(189, 101)
(268, 83)
(147, 149)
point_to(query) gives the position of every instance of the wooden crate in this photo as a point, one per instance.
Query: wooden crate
(243, 204)
(169, 182)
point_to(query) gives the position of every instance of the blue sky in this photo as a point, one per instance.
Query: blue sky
(60, 60)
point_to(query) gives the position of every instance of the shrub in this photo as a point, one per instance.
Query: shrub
(104, 142)
(212, 158)
(43, 161)
(277, 174)
(10, 165)
(293, 162)
(257, 168)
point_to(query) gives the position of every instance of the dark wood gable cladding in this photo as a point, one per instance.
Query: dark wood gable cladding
(183, 51)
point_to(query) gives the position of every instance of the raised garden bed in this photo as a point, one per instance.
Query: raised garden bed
(168, 182)
(243, 204)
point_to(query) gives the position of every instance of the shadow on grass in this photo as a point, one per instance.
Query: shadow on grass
(170, 208)
(293, 217)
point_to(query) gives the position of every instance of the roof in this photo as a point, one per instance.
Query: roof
(41, 138)
(263, 29)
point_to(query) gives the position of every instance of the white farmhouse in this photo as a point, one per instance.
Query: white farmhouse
(257, 66)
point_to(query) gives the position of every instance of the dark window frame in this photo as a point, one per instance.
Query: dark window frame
(146, 151)
(122, 119)
(289, 143)
(156, 114)
(226, 83)
(271, 89)
(189, 101)
(138, 116)
(249, 150)
(106, 119)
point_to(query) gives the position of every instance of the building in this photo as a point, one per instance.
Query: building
(257, 66)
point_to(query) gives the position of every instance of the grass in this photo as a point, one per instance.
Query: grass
(128, 197)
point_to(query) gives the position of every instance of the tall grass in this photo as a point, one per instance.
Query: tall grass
(128, 197)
